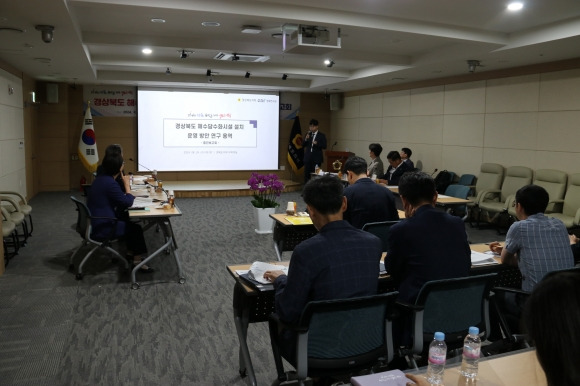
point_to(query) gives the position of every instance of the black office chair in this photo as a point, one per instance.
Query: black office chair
(381, 230)
(338, 337)
(450, 306)
(84, 229)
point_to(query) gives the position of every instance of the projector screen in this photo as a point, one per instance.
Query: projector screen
(194, 130)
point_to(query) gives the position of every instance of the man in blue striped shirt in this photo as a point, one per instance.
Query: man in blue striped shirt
(536, 244)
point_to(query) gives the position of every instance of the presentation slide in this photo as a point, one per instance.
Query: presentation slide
(195, 130)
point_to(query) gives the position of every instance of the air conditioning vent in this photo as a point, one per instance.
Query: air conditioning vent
(241, 57)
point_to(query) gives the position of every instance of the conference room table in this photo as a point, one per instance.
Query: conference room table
(254, 305)
(156, 213)
(442, 199)
(290, 230)
(519, 367)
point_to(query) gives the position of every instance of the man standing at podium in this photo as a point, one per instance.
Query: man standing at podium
(314, 143)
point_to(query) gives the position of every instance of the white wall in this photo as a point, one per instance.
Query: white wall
(12, 160)
(531, 120)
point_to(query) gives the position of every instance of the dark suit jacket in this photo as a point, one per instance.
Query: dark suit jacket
(339, 262)
(431, 245)
(394, 180)
(105, 200)
(313, 153)
(367, 202)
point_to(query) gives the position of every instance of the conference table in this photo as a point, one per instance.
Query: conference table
(442, 199)
(155, 212)
(289, 231)
(519, 367)
(254, 305)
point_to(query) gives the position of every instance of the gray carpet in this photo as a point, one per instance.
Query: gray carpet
(55, 330)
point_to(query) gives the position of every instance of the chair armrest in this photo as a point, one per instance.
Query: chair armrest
(13, 193)
(12, 202)
(508, 289)
(113, 228)
(286, 326)
(560, 201)
(407, 307)
(490, 192)
(577, 217)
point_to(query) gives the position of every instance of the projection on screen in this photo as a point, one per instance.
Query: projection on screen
(181, 130)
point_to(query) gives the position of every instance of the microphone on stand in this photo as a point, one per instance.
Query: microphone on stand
(153, 172)
(332, 147)
(434, 171)
(143, 166)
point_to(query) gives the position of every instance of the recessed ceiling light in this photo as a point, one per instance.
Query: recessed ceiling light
(157, 20)
(210, 24)
(515, 6)
(147, 51)
(251, 29)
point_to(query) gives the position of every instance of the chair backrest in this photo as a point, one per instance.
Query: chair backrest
(381, 230)
(515, 178)
(572, 198)
(466, 179)
(459, 191)
(83, 226)
(490, 177)
(554, 181)
(452, 306)
(345, 334)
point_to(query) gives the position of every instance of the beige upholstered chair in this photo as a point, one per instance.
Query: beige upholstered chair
(16, 215)
(554, 181)
(24, 207)
(488, 180)
(10, 237)
(570, 214)
(494, 201)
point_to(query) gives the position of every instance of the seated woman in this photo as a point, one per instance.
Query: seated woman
(106, 199)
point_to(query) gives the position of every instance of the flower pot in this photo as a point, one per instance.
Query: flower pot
(264, 223)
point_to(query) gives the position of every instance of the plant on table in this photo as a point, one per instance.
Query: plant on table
(266, 188)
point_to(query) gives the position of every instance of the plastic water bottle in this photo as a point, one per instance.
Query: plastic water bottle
(437, 356)
(471, 351)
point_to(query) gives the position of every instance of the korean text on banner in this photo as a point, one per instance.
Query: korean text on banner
(295, 149)
(88, 143)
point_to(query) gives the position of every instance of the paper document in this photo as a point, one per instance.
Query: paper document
(258, 268)
(479, 258)
(142, 201)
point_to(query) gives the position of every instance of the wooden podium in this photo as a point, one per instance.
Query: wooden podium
(332, 156)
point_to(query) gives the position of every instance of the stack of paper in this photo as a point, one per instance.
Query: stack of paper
(479, 258)
(258, 268)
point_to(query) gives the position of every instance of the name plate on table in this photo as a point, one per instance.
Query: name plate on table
(299, 220)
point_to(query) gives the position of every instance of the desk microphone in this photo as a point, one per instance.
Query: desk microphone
(434, 171)
(153, 172)
(332, 147)
(143, 166)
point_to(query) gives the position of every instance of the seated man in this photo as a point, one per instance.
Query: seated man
(406, 157)
(375, 167)
(429, 244)
(396, 169)
(536, 244)
(366, 201)
(339, 262)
